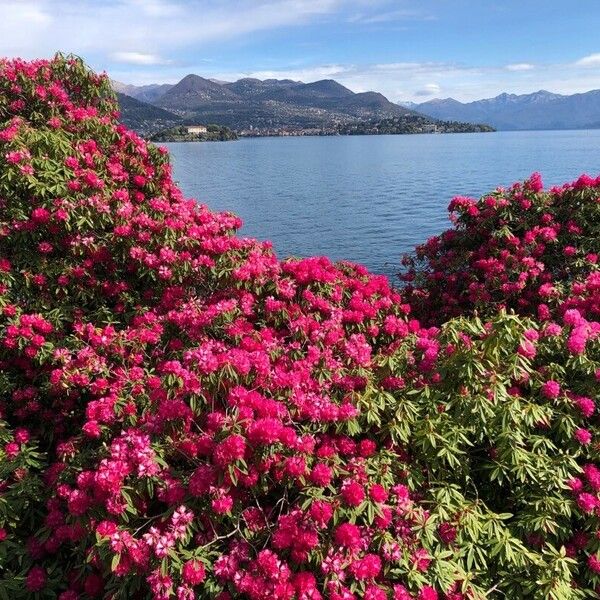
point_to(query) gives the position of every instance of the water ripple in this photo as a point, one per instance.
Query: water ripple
(368, 199)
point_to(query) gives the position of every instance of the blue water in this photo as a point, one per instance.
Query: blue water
(368, 199)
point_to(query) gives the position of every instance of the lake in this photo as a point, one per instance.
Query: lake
(368, 199)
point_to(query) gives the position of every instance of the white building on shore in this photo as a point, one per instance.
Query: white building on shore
(196, 128)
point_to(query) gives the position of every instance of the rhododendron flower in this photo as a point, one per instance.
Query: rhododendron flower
(193, 573)
(527, 349)
(587, 502)
(222, 504)
(427, 593)
(321, 475)
(36, 579)
(352, 493)
(377, 493)
(447, 532)
(421, 559)
(367, 567)
(347, 535)
(374, 592)
(367, 448)
(551, 389)
(401, 593)
(594, 563)
(583, 436)
(321, 512)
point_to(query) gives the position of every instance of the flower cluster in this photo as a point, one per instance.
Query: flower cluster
(522, 248)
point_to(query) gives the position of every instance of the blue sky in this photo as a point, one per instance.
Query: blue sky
(409, 50)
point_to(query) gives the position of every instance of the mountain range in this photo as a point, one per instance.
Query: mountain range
(274, 104)
(540, 110)
(256, 104)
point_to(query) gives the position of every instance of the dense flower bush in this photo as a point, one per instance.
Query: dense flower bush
(524, 248)
(185, 416)
(533, 252)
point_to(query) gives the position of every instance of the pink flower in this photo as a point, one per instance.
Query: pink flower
(594, 563)
(585, 405)
(401, 593)
(222, 505)
(92, 429)
(22, 435)
(527, 349)
(193, 572)
(572, 317)
(536, 185)
(583, 436)
(320, 475)
(374, 592)
(592, 475)
(587, 502)
(321, 512)
(367, 567)
(12, 450)
(377, 493)
(551, 389)
(427, 593)
(202, 479)
(447, 532)
(347, 535)
(421, 559)
(367, 448)
(229, 450)
(352, 493)
(40, 215)
(36, 579)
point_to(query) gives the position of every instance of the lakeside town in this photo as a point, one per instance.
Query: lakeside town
(396, 126)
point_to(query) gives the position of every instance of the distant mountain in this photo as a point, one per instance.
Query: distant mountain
(267, 104)
(145, 118)
(249, 87)
(374, 102)
(194, 91)
(326, 93)
(540, 110)
(409, 104)
(144, 93)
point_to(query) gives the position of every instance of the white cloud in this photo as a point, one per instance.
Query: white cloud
(430, 89)
(158, 8)
(138, 58)
(520, 67)
(37, 28)
(302, 74)
(390, 16)
(17, 17)
(592, 60)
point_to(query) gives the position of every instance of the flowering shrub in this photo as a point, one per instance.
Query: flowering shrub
(180, 409)
(534, 252)
(185, 416)
(524, 248)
